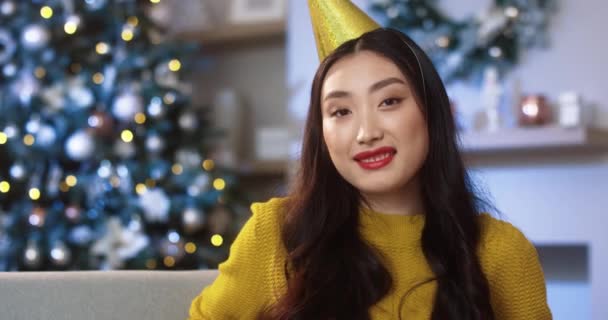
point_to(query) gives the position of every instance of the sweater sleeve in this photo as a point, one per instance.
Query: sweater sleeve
(238, 290)
(515, 276)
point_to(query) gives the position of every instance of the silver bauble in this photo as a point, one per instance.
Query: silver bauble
(156, 204)
(156, 109)
(193, 220)
(188, 121)
(154, 143)
(33, 124)
(17, 171)
(127, 105)
(80, 145)
(81, 95)
(60, 254)
(8, 8)
(46, 136)
(32, 255)
(35, 37)
(9, 70)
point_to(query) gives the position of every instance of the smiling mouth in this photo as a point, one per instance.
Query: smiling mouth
(377, 158)
(377, 161)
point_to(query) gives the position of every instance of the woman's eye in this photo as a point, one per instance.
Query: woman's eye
(391, 101)
(340, 113)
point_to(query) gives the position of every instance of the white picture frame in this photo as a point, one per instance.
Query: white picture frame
(256, 11)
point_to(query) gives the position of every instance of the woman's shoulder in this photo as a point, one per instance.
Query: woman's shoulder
(274, 205)
(269, 215)
(501, 242)
(498, 231)
(513, 270)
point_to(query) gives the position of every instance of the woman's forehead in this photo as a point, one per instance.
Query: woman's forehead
(360, 70)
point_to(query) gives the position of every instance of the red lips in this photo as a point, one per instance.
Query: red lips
(376, 152)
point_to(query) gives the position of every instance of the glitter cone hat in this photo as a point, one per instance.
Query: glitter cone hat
(335, 22)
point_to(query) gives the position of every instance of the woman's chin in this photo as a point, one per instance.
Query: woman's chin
(376, 188)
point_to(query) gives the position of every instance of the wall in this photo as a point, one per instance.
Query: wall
(257, 73)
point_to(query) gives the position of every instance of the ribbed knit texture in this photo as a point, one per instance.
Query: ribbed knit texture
(253, 274)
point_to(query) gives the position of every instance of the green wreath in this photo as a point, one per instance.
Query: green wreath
(461, 50)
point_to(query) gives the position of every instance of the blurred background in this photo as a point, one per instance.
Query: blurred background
(134, 134)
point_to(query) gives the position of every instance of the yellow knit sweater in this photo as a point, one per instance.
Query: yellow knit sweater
(253, 274)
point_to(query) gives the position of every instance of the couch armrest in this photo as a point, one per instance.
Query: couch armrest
(97, 295)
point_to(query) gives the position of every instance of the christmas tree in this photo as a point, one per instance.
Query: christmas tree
(104, 159)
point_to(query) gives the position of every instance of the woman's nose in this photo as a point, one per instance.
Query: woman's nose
(369, 131)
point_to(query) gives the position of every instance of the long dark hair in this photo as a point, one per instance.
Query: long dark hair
(334, 274)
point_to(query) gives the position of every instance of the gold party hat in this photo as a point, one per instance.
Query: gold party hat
(335, 22)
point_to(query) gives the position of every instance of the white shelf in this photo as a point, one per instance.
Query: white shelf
(235, 35)
(534, 138)
(264, 168)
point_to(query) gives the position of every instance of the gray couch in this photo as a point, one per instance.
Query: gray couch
(96, 295)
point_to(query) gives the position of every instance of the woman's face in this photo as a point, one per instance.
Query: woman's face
(373, 127)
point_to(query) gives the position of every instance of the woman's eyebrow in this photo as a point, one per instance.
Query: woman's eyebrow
(374, 87)
(383, 83)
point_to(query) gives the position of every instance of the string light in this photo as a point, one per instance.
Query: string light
(46, 12)
(40, 72)
(127, 34)
(155, 1)
(71, 180)
(71, 25)
(208, 165)
(37, 217)
(219, 184)
(5, 187)
(133, 21)
(217, 240)
(140, 118)
(175, 65)
(512, 12)
(115, 181)
(102, 48)
(150, 183)
(151, 264)
(28, 139)
(443, 42)
(98, 78)
(169, 261)
(3, 137)
(126, 135)
(190, 247)
(169, 98)
(177, 169)
(34, 193)
(64, 187)
(140, 188)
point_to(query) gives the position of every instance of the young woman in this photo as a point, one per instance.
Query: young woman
(382, 221)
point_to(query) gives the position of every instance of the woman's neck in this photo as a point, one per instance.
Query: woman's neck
(405, 201)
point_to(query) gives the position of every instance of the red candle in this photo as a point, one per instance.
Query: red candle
(534, 110)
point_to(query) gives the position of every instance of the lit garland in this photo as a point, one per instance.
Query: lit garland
(461, 49)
